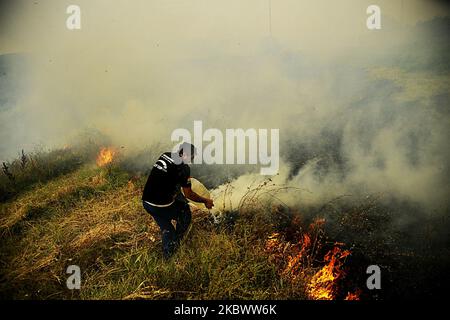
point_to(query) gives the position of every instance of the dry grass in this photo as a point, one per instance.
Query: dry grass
(43, 196)
(70, 224)
(94, 218)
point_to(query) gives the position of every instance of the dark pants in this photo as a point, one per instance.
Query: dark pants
(171, 236)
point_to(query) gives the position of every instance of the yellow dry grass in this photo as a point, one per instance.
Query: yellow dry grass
(111, 219)
(41, 197)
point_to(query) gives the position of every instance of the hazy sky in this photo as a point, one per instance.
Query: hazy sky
(36, 25)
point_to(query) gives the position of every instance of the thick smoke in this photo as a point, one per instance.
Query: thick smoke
(357, 115)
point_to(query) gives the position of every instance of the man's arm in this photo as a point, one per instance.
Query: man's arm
(190, 194)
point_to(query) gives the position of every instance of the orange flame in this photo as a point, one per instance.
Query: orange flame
(323, 284)
(353, 296)
(296, 259)
(317, 224)
(105, 156)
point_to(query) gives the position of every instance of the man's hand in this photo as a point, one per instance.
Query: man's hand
(209, 203)
(188, 193)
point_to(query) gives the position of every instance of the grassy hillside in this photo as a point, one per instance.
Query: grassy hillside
(93, 217)
(62, 209)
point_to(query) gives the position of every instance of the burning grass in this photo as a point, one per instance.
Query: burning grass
(299, 261)
(106, 156)
(323, 284)
(93, 218)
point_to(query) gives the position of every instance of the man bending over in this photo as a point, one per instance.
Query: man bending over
(169, 173)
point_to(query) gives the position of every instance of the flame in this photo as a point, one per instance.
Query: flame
(272, 242)
(323, 284)
(353, 296)
(317, 224)
(105, 156)
(295, 261)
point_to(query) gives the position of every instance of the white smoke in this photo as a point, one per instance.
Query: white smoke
(136, 72)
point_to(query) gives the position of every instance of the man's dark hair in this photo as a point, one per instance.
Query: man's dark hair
(187, 148)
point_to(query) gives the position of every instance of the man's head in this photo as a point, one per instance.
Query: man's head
(187, 152)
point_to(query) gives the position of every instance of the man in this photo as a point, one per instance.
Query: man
(161, 197)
